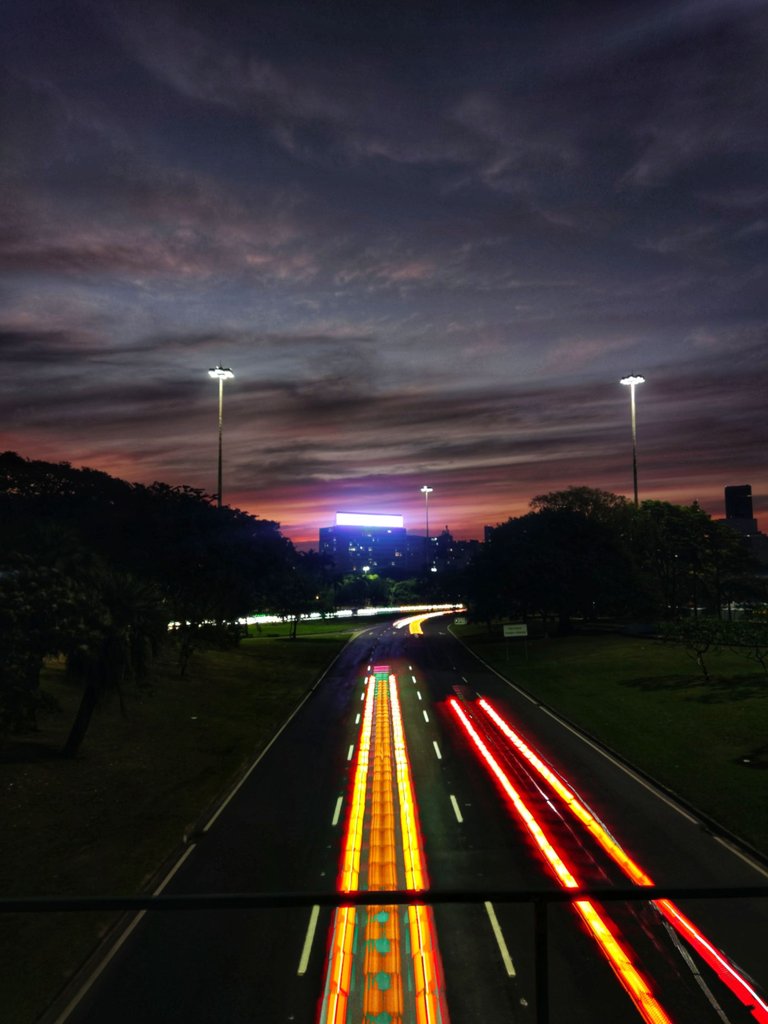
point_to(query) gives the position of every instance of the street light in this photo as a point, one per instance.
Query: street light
(220, 373)
(426, 491)
(631, 382)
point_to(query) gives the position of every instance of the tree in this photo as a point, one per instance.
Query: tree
(301, 589)
(698, 637)
(688, 560)
(750, 638)
(40, 612)
(126, 624)
(556, 562)
(170, 548)
(586, 552)
(355, 591)
(592, 503)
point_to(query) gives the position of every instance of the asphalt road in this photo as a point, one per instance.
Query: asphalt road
(283, 831)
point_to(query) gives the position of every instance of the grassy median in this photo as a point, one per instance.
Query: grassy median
(105, 821)
(706, 741)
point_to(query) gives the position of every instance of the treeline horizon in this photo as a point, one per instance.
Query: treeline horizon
(93, 569)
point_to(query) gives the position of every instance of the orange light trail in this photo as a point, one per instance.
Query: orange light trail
(727, 973)
(377, 967)
(634, 984)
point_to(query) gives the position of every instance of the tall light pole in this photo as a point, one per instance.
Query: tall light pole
(631, 382)
(426, 491)
(220, 373)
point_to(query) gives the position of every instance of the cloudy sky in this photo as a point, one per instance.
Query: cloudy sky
(429, 238)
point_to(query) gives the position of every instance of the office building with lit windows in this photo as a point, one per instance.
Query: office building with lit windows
(366, 542)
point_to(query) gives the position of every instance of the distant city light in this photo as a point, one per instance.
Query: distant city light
(367, 519)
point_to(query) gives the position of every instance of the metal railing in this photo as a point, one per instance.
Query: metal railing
(539, 899)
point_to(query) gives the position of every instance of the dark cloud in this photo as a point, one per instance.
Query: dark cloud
(428, 242)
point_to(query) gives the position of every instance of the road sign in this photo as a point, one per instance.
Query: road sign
(459, 621)
(516, 629)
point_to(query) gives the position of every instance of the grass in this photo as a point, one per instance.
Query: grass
(314, 629)
(104, 822)
(705, 740)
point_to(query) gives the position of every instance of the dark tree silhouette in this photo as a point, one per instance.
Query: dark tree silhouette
(91, 565)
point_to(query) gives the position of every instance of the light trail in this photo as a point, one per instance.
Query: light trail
(350, 865)
(383, 963)
(334, 1009)
(413, 622)
(570, 799)
(415, 869)
(634, 984)
(728, 974)
(429, 999)
(716, 960)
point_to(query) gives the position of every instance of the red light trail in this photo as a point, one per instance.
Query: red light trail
(719, 963)
(635, 985)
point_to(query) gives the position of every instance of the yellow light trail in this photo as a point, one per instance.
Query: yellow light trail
(415, 871)
(373, 858)
(350, 864)
(430, 1003)
(336, 997)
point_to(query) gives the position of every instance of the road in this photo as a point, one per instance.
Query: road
(393, 775)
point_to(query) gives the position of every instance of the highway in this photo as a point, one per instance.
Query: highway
(413, 766)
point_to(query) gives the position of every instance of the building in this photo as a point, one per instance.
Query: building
(362, 542)
(738, 507)
(739, 517)
(366, 542)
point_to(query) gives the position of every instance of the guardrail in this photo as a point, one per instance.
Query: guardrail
(540, 899)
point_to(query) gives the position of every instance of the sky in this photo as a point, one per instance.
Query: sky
(428, 239)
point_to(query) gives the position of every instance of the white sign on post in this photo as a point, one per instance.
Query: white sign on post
(515, 629)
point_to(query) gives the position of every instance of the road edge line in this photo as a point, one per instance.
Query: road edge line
(104, 951)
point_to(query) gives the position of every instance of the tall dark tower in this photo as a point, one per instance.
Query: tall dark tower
(738, 502)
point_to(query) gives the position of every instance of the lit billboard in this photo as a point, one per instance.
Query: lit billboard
(367, 519)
